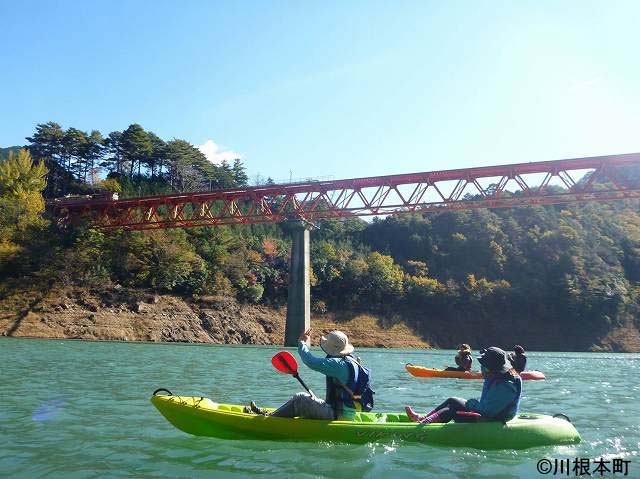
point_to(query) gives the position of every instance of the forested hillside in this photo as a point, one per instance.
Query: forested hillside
(4, 152)
(553, 277)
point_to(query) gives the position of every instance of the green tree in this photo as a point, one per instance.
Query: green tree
(136, 148)
(109, 184)
(74, 143)
(21, 201)
(253, 293)
(46, 144)
(158, 157)
(417, 268)
(188, 167)
(47, 141)
(114, 160)
(162, 260)
(92, 153)
(89, 261)
(420, 289)
(239, 173)
(385, 280)
(20, 177)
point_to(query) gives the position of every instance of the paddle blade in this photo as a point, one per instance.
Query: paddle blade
(285, 362)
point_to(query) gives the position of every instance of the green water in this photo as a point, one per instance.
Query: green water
(81, 409)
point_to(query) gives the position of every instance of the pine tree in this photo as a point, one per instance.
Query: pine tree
(92, 153)
(47, 141)
(188, 166)
(239, 173)
(47, 145)
(114, 161)
(157, 159)
(74, 143)
(136, 147)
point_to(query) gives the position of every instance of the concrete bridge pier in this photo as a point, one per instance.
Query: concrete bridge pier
(299, 298)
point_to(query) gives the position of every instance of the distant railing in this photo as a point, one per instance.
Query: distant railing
(294, 181)
(82, 199)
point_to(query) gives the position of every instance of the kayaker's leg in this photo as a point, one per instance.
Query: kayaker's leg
(252, 408)
(441, 415)
(288, 409)
(411, 414)
(448, 402)
(304, 405)
(414, 416)
(446, 411)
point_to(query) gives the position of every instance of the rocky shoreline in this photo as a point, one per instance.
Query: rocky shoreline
(120, 314)
(134, 315)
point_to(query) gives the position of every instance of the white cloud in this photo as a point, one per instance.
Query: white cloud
(215, 154)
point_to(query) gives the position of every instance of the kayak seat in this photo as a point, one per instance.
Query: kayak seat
(467, 416)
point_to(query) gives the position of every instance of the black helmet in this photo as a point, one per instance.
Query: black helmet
(495, 360)
(518, 349)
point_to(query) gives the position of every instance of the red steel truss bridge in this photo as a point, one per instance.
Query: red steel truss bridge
(540, 183)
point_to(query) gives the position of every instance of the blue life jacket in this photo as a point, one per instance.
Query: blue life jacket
(511, 409)
(356, 394)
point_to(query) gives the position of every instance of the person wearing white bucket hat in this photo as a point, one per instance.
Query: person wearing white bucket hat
(336, 343)
(347, 381)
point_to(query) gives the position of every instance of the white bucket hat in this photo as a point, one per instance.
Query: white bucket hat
(336, 343)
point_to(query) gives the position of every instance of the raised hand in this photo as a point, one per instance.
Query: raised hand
(305, 337)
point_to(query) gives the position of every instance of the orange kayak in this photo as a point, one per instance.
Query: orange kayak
(422, 372)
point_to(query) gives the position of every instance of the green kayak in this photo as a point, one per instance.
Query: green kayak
(202, 417)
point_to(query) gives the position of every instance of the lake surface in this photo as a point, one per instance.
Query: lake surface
(76, 409)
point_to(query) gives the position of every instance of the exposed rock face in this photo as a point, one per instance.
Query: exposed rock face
(133, 315)
(121, 314)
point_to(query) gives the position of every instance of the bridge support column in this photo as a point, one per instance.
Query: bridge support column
(299, 299)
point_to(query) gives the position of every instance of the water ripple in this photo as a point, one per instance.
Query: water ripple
(77, 409)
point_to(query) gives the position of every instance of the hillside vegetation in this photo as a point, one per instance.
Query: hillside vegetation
(552, 277)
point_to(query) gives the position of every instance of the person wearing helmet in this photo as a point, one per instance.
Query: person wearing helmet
(518, 358)
(499, 401)
(347, 382)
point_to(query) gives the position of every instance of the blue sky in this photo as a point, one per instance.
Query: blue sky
(341, 89)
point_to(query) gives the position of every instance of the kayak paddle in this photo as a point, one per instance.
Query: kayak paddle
(286, 363)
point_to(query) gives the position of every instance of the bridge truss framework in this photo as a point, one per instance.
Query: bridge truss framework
(540, 183)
